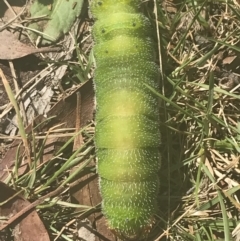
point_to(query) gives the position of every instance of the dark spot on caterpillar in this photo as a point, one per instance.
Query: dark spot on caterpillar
(99, 3)
(74, 5)
(106, 52)
(134, 24)
(103, 30)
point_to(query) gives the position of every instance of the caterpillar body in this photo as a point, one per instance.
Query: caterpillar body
(127, 133)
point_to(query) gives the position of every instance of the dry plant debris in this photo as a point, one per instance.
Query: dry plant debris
(28, 227)
(11, 48)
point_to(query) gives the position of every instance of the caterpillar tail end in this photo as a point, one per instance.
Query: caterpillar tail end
(135, 234)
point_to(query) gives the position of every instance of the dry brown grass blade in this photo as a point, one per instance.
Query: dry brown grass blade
(19, 118)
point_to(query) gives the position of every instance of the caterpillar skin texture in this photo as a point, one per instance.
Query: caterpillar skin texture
(127, 116)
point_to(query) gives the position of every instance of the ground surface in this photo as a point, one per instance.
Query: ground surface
(197, 49)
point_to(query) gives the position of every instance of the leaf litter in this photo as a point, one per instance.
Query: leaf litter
(28, 226)
(11, 48)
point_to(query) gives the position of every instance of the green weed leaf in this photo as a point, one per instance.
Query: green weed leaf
(54, 18)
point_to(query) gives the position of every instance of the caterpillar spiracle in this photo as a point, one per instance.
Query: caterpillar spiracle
(127, 133)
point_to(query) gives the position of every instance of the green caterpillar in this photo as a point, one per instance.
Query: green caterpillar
(127, 116)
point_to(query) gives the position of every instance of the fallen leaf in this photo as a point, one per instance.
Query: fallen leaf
(229, 59)
(11, 48)
(28, 226)
(65, 112)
